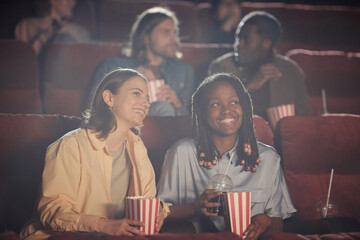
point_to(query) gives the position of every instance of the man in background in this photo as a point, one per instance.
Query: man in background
(154, 52)
(271, 79)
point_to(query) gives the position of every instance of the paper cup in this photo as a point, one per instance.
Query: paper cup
(278, 112)
(153, 87)
(145, 210)
(237, 211)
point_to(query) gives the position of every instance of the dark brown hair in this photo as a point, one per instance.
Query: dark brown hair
(99, 117)
(144, 25)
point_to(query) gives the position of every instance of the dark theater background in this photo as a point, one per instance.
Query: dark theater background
(42, 98)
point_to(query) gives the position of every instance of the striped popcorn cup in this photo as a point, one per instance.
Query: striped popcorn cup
(145, 210)
(236, 211)
(153, 87)
(278, 112)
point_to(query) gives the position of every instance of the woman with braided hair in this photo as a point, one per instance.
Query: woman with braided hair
(223, 138)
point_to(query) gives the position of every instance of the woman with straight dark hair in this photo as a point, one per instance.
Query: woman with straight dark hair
(89, 171)
(224, 141)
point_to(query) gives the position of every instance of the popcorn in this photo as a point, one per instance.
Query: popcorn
(276, 113)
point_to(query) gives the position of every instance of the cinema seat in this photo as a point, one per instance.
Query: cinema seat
(159, 133)
(310, 147)
(68, 72)
(337, 73)
(69, 68)
(19, 78)
(24, 139)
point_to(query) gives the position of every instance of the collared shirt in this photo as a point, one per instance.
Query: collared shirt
(76, 183)
(182, 181)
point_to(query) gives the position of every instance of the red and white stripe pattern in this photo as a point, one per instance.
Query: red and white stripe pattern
(237, 211)
(277, 113)
(145, 210)
(153, 87)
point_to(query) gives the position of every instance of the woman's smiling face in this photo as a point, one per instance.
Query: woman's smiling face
(131, 103)
(223, 109)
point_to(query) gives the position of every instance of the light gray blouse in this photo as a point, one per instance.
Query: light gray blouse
(182, 181)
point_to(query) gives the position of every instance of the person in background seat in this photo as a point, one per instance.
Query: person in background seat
(271, 79)
(52, 25)
(226, 15)
(154, 51)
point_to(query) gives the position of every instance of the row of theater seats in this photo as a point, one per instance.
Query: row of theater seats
(304, 26)
(68, 70)
(309, 146)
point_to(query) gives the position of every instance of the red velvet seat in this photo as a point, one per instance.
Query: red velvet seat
(117, 17)
(293, 236)
(69, 68)
(335, 71)
(162, 236)
(24, 139)
(19, 78)
(68, 72)
(159, 133)
(310, 147)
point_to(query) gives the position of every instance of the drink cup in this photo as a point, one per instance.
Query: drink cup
(278, 112)
(145, 210)
(237, 211)
(216, 210)
(323, 210)
(222, 183)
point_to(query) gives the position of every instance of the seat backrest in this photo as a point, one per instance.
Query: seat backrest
(159, 133)
(310, 147)
(69, 68)
(322, 27)
(68, 73)
(336, 72)
(117, 18)
(24, 139)
(199, 56)
(19, 78)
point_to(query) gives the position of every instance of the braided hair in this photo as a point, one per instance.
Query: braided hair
(208, 155)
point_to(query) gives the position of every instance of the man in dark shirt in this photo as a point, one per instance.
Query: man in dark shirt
(271, 79)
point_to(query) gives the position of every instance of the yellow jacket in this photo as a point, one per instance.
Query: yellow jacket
(76, 183)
